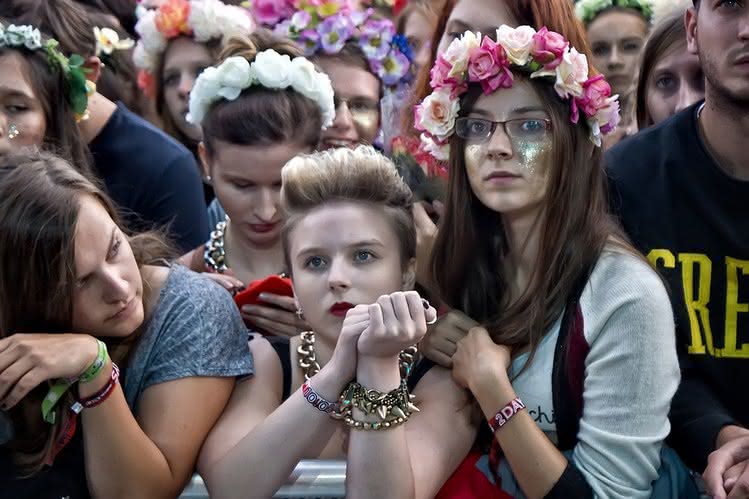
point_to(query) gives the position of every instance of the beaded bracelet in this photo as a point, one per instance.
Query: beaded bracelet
(505, 414)
(316, 400)
(392, 408)
(100, 396)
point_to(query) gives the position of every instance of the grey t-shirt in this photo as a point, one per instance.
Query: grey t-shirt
(194, 330)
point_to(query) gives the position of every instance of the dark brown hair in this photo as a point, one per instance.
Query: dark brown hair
(262, 115)
(467, 260)
(72, 24)
(360, 175)
(49, 85)
(668, 32)
(556, 15)
(39, 205)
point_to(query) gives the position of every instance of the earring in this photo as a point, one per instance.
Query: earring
(207, 179)
(13, 132)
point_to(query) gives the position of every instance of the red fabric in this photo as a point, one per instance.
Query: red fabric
(469, 482)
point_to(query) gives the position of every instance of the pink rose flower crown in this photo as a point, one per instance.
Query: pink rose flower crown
(541, 54)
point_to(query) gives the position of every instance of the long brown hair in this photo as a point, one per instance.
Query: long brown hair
(467, 260)
(556, 15)
(39, 204)
(666, 33)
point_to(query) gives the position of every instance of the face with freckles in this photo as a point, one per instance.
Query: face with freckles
(508, 171)
(22, 119)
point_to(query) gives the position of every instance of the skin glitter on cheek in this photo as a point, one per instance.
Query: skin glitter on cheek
(532, 155)
(367, 124)
(475, 154)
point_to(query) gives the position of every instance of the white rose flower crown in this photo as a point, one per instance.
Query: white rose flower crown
(270, 70)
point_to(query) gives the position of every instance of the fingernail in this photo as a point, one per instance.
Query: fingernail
(263, 296)
(248, 308)
(426, 304)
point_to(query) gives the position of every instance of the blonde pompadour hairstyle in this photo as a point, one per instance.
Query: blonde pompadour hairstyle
(360, 175)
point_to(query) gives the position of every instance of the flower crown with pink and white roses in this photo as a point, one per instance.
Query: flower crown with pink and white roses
(202, 20)
(542, 54)
(324, 26)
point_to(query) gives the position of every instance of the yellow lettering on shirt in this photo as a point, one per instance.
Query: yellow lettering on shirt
(697, 300)
(733, 309)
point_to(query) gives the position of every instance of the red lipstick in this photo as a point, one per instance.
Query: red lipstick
(339, 309)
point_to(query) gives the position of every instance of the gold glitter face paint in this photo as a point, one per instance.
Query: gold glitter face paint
(367, 124)
(533, 156)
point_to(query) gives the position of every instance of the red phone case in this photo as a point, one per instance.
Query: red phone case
(271, 284)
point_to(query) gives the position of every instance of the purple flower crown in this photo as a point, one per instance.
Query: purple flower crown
(327, 28)
(542, 54)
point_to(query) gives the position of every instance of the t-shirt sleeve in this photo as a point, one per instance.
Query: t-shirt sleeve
(631, 375)
(178, 200)
(201, 334)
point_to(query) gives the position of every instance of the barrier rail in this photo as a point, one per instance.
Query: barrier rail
(319, 479)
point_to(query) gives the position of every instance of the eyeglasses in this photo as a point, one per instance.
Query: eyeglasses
(357, 104)
(479, 130)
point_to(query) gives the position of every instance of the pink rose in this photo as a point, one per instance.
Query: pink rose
(595, 93)
(489, 66)
(571, 73)
(548, 48)
(608, 116)
(517, 42)
(436, 114)
(270, 12)
(440, 78)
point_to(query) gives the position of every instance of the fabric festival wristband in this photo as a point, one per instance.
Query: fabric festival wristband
(100, 396)
(55, 393)
(505, 414)
(318, 402)
(95, 368)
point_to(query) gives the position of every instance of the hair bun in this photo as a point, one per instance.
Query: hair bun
(248, 46)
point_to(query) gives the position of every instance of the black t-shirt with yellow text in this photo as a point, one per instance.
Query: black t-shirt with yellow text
(691, 220)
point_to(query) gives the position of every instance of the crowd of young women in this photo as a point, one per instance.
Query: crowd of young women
(125, 364)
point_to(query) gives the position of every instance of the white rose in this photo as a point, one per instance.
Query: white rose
(571, 74)
(458, 53)
(438, 151)
(234, 75)
(325, 99)
(204, 93)
(144, 59)
(203, 20)
(517, 42)
(304, 77)
(152, 39)
(437, 114)
(27, 36)
(235, 21)
(272, 69)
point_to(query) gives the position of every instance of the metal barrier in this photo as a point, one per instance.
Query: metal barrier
(318, 479)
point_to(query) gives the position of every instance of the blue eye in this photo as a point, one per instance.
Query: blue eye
(363, 256)
(314, 262)
(533, 125)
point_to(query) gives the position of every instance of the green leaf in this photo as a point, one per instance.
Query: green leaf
(76, 61)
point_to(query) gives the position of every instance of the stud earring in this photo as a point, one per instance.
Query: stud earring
(207, 179)
(13, 132)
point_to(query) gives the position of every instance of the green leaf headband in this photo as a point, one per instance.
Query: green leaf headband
(78, 89)
(587, 10)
